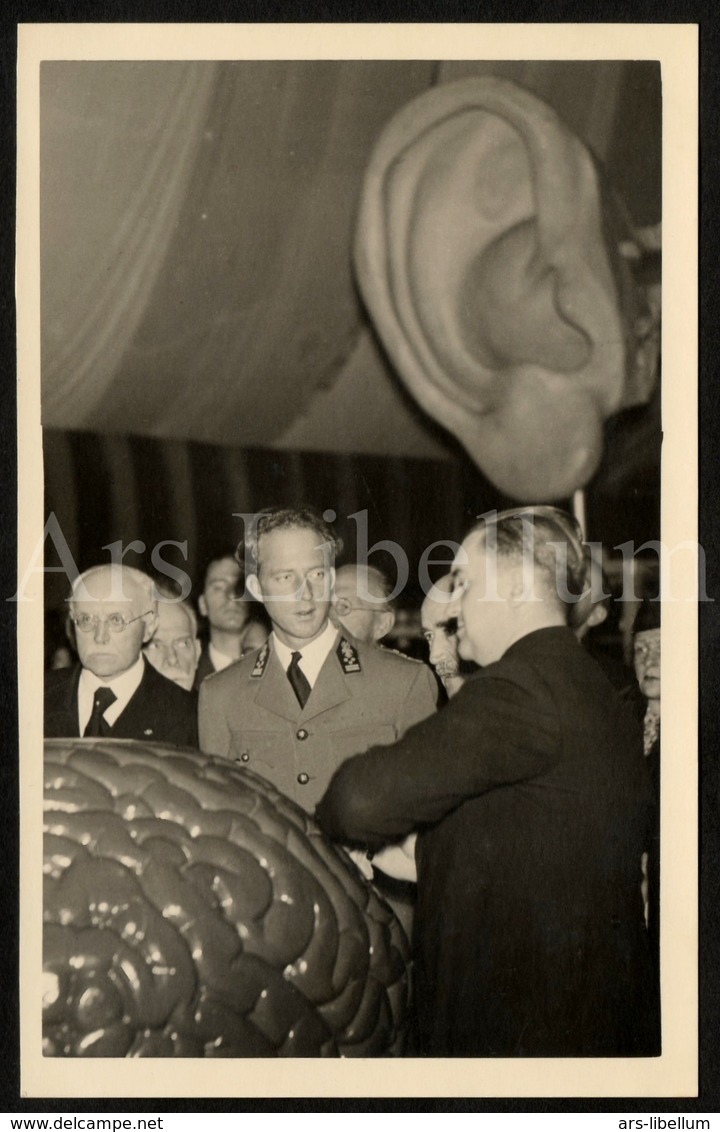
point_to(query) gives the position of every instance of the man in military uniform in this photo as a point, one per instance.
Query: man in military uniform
(312, 696)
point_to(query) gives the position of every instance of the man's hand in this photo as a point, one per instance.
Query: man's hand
(360, 857)
(398, 860)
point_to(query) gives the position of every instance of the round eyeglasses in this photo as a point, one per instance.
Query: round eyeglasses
(116, 622)
(343, 606)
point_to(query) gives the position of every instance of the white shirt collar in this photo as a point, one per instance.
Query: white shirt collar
(219, 660)
(313, 655)
(124, 686)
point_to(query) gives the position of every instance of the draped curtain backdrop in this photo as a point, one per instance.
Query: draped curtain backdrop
(109, 214)
(197, 295)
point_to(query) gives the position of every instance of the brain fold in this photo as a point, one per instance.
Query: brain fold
(192, 911)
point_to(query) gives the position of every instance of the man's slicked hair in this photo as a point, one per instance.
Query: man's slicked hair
(286, 519)
(554, 539)
(373, 574)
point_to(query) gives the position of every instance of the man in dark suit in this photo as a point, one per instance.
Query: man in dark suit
(113, 692)
(312, 695)
(439, 633)
(174, 648)
(529, 793)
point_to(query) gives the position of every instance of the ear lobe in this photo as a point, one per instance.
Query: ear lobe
(151, 623)
(202, 605)
(598, 614)
(383, 624)
(253, 584)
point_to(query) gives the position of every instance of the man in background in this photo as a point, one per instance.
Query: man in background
(361, 603)
(113, 692)
(232, 630)
(440, 632)
(589, 613)
(644, 696)
(174, 648)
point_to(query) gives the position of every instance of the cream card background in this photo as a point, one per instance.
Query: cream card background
(675, 1073)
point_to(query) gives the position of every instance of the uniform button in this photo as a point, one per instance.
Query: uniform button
(303, 779)
(302, 733)
(245, 757)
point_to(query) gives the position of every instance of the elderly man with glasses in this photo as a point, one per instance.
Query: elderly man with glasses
(113, 692)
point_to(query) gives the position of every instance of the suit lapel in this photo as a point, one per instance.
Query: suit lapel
(61, 713)
(274, 692)
(330, 688)
(204, 668)
(138, 714)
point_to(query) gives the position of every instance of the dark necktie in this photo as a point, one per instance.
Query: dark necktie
(298, 679)
(97, 724)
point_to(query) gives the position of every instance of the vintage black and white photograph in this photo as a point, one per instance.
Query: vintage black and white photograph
(349, 547)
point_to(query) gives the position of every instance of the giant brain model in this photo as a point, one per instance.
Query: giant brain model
(191, 910)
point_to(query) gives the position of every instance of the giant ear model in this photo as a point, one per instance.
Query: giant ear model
(485, 256)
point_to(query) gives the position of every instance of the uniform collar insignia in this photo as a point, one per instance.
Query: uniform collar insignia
(260, 663)
(348, 657)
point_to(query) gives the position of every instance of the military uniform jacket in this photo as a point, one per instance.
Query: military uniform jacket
(205, 665)
(158, 710)
(363, 696)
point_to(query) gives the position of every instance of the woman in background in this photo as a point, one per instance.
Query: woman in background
(646, 660)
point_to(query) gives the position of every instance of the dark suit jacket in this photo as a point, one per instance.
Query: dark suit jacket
(634, 697)
(530, 791)
(204, 668)
(158, 710)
